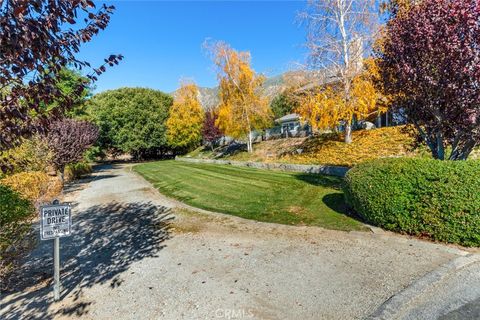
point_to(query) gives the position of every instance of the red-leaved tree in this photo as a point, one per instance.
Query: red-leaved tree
(211, 133)
(431, 65)
(68, 139)
(39, 38)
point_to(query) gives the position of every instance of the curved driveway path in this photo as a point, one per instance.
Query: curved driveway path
(135, 256)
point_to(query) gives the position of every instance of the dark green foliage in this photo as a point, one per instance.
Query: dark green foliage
(423, 197)
(132, 120)
(69, 80)
(15, 213)
(282, 105)
(93, 154)
(77, 170)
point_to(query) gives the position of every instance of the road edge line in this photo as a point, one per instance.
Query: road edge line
(396, 305)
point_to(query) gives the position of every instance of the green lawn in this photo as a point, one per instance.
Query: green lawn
(271, 196)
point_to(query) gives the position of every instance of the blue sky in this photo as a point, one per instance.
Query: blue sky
(162, 40)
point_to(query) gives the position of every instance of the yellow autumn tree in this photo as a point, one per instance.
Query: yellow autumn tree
(371, 83)
(325, 107)
(185, 119)
(321, 108)
(242, 107)
(398, 7)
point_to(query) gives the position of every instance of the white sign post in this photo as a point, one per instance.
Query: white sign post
(55, 222)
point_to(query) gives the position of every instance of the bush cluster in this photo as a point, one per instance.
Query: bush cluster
(37, 187)
(20, 193)
(15, 215)
(31, 155)
(423, 197)
(77, 170)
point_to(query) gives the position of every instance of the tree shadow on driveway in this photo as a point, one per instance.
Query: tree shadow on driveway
(99, 170)
(105, 241)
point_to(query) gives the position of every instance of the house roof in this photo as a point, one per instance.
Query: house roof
(288, 117)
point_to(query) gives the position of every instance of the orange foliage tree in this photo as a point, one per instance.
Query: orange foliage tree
(398, 7)
(242, 107)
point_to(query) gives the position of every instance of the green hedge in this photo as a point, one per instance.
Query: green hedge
(77, 170)
(15, 215)
(423, 197)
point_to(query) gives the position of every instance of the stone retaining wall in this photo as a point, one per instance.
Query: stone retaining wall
(327, 170)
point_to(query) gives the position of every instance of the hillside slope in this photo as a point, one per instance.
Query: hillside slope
(328, 149)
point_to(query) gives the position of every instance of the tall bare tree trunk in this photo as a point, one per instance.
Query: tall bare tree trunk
(348, 131)
(249, 143)
(348, 122)
(337, 31)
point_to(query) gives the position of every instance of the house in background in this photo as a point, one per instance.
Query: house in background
(288, 126)
(289, 123)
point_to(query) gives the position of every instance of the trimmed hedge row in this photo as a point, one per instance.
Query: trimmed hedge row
(422, 197)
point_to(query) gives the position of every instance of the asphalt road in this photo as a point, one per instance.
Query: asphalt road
(450, 292)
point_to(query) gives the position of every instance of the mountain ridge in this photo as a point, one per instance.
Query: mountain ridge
(273, 86)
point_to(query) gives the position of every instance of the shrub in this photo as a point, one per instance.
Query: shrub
(15, 214)
(77, 170)
(211, 132)
(31, 155)
(423, 197)
(19, 194)
(93, 154)
(69, 139)
(37, 187)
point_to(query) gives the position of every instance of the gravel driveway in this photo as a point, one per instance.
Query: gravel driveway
(136, 255)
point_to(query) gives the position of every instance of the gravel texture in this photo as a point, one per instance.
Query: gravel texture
(138, 255)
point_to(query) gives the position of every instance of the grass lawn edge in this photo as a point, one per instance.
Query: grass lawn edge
(346, 223)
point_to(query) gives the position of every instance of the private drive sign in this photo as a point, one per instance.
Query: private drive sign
(55, 221)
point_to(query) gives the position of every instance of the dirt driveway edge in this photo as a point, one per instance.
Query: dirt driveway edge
(397, 306)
